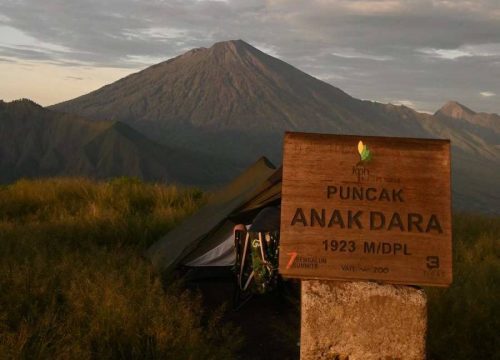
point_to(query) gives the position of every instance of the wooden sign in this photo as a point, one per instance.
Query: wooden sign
(361, 207)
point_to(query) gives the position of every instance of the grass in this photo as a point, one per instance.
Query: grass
(464, 320)
(73, 283)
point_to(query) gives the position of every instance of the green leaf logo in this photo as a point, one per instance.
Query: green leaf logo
(364, 153)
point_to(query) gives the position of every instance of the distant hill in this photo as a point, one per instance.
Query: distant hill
(36, 142)
(476, 155)
(233, 101)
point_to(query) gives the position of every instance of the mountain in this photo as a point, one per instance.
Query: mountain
(233, 101)
(457, 111)
(38, 142)
(232, 97)
(476, 154)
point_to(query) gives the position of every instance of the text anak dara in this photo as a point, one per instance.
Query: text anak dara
(359, 219)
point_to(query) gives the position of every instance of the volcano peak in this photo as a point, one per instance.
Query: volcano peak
(455, 110)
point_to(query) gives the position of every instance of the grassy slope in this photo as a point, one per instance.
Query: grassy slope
(73, 285)
(464, 319)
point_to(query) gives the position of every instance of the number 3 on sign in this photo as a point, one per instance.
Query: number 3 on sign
(292, 255)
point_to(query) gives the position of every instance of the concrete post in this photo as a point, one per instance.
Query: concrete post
(362, 321)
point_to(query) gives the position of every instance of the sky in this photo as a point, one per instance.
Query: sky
(418, 53)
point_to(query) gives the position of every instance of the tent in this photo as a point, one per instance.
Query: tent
(205, 238)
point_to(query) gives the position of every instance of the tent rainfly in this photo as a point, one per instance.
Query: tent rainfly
(205, 238)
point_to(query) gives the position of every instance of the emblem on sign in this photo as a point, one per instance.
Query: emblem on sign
(364, 153)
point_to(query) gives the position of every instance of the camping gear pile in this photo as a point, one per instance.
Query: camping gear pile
(256, 264)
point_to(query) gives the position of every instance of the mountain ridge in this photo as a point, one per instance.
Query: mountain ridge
(37, 142)
(233, 100)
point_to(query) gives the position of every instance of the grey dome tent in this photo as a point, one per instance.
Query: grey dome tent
(205, 238)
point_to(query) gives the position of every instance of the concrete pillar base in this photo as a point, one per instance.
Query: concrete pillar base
(362, 321)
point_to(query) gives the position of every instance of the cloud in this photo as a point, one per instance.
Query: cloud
(8, 60)
(350, 53)
(407, 103)
(371, 6)
(449, 54)
(108, 32)
(463, 51)
(268, 49)
(487, 93)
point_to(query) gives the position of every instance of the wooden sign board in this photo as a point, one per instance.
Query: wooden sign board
(360, 207)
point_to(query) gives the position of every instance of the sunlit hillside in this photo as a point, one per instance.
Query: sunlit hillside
(73, 283)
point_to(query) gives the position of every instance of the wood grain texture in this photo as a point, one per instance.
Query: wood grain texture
(406, 182)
